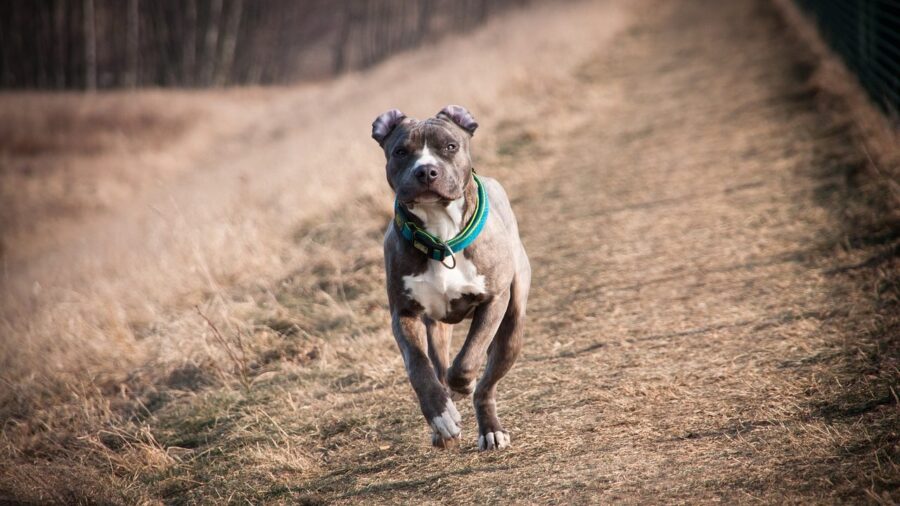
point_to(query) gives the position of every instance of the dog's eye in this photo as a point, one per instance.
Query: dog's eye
(400, 152)
(451, 147)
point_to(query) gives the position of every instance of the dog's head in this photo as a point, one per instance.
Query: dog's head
(427, 161)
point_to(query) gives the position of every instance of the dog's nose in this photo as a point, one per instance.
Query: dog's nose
(427, 173)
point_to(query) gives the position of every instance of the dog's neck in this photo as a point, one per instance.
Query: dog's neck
(446, 219)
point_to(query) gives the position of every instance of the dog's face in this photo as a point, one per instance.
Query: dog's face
(427, 161)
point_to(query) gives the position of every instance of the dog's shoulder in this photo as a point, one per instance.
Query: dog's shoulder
(500, 204)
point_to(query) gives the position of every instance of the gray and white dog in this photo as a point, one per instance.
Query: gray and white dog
(450, 255)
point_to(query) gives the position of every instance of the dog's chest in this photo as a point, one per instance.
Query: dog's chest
(438, 286)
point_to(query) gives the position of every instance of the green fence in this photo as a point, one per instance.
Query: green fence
(866, 33)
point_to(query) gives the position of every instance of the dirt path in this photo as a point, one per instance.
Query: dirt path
(713, 317)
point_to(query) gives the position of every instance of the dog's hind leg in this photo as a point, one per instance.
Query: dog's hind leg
(502, 355)
(439, 335)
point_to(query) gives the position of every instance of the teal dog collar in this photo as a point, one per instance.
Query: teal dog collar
(434, 247)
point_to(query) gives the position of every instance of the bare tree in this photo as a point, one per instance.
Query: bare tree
(212, 40)
(341, 43)
(189, 44)
(425, 10)
(90, 46)
(59, 28)
(105, 43)
(229, 42)
(167, 68)
(132, 38)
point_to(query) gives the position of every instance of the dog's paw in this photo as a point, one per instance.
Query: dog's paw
(458, 393)
(446, 426)
(439, 441)
(461, 385)
(496, 440)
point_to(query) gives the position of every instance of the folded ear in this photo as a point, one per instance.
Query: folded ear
(459, 115)
(385, 124)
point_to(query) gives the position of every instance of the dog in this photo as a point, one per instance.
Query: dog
(452, 252)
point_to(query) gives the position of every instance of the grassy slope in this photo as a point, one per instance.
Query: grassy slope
(714, 313)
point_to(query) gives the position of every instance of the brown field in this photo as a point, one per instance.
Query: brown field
(193, 308)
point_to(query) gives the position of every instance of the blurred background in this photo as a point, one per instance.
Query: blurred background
(113, 43)
(192, 302)
(127, 43)
(866, 34)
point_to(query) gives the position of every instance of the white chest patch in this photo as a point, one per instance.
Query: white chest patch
(438, 285)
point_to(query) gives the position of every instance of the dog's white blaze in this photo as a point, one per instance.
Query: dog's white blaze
(438, 285)
(426, 157)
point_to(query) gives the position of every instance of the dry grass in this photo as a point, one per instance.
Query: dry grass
(66, 158)
(715, 307)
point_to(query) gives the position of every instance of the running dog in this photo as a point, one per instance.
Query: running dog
(452, 252)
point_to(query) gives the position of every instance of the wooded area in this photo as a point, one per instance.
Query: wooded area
(127, 43)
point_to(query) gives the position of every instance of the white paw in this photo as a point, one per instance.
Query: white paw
(493, 441)
(447, 424)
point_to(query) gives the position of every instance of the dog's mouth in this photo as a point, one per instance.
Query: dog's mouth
(428, 196)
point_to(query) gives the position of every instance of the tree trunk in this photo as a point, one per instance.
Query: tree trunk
(189, 45)
(90, 47)
(212, 41)
(343, 37)
(229, 43)
(424, 21)
(60, 42)
(132, 43)
(167, 69)
(482, 11)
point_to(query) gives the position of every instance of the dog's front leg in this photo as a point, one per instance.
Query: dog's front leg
(485, 322)
(439, 411)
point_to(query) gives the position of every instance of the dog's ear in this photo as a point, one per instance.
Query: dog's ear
(385, 124)
(462, 117)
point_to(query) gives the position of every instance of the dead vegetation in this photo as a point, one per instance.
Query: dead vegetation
(66, 158)
(714, 316)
